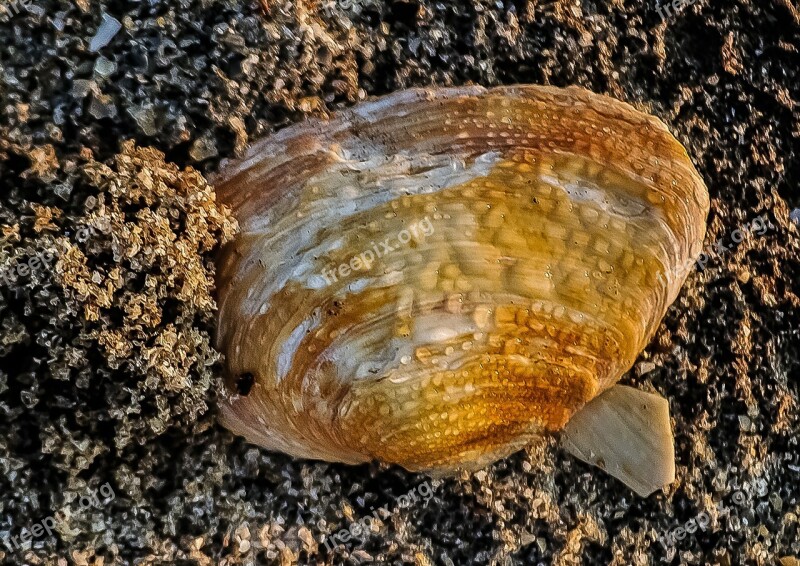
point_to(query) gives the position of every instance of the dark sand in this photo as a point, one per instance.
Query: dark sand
(198, 80)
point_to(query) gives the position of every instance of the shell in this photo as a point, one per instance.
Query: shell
(537, 238)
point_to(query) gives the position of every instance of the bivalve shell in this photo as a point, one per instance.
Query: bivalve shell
(439, 277)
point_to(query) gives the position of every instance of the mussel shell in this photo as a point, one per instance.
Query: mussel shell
(547, 231)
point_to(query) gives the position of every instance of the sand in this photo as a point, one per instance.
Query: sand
(107, 374)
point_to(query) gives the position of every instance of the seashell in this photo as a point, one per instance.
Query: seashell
(438, 278)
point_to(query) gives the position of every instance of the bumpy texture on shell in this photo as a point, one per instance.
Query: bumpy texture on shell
(537, 237)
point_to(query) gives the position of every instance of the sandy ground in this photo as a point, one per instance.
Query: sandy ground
(107, 378)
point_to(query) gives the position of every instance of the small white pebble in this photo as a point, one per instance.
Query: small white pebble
(109, 27)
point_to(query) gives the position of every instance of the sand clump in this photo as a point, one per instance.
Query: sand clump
(142, 285)
(107, 315)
